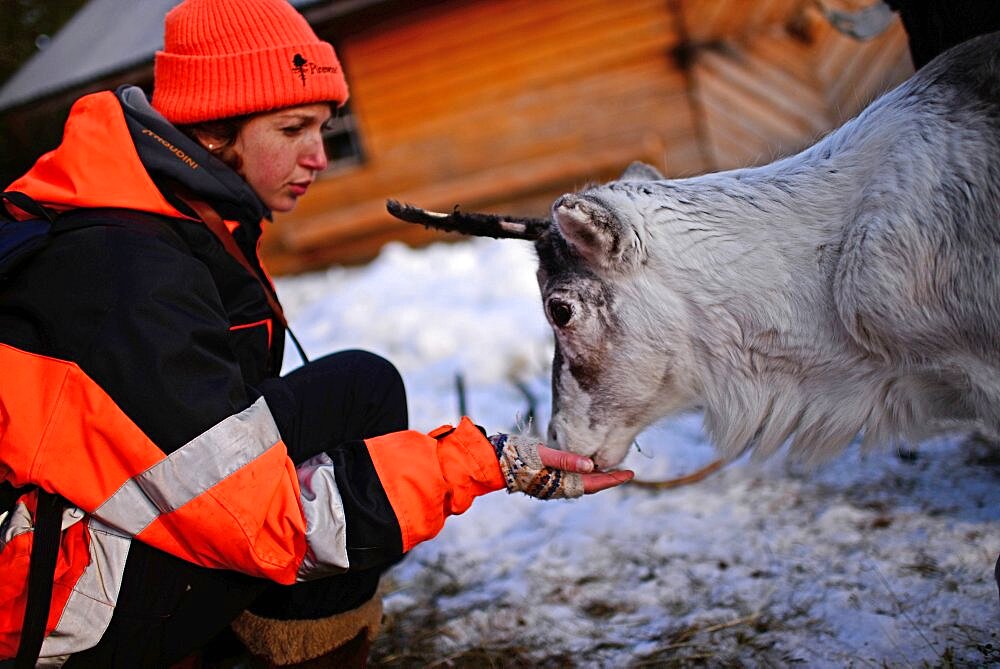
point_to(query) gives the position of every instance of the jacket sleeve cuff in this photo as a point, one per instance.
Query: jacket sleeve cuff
(430, 477)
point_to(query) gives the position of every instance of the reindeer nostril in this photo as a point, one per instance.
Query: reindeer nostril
(567, 201)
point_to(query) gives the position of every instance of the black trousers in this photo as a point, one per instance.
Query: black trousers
(168, 607)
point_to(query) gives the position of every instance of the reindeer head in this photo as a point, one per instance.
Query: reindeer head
(617, 356)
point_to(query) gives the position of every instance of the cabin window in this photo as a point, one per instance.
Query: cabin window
(342, 140)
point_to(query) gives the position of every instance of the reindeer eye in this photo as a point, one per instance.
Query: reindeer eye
(560, 312)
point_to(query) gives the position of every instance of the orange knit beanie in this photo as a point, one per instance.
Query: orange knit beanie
(225, 58)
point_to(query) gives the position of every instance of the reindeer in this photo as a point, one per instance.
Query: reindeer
(851, 288)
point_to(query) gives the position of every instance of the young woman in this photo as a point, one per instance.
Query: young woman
(141, 355)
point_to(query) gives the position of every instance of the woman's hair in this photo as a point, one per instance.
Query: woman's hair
(224, 131)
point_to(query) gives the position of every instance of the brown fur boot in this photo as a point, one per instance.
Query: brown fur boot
(342, 640)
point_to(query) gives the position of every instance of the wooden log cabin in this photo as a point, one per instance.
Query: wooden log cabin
(503, 105)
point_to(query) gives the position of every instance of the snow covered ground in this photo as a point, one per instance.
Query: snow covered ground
(872, 560)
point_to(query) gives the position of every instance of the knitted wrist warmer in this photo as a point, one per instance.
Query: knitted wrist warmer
(523, 469)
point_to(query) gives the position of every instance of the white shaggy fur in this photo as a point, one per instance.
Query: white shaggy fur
(854, 287)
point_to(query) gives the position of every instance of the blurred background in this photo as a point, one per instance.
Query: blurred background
(497, 105)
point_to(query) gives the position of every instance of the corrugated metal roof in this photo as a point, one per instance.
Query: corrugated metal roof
(104, 37)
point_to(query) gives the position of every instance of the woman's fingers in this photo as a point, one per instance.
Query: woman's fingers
(604, 480)
(572, 462)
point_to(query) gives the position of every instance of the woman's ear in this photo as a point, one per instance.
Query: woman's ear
(212, 143)
(222, 148)
(221, 139)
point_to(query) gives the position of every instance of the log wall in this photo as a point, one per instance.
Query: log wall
(504, 104)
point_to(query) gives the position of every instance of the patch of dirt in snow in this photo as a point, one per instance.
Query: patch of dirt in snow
(871, 560)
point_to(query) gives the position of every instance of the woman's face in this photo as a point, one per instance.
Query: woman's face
(282, 151)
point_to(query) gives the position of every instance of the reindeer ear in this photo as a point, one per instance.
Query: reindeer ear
(640, 171)
(593, 230)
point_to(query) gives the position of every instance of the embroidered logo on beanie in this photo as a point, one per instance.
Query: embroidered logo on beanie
(301, 66)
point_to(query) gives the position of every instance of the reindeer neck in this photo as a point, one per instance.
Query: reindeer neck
(761, 282)
(762, 236)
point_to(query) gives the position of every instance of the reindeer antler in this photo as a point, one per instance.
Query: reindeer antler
(478, 225)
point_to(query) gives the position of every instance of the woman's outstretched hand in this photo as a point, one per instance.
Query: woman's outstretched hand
(571, 462)
(530, 467)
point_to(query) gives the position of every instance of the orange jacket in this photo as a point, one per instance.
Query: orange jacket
(194, 465)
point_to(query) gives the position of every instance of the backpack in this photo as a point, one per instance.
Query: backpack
(19, 241)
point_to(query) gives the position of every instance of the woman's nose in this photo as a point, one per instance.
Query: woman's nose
(315, 157)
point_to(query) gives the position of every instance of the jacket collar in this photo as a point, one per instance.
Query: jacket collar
(118, 152)
(173, 159)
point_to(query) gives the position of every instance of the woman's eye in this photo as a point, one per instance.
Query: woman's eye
(560, 312)
(292, 130)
